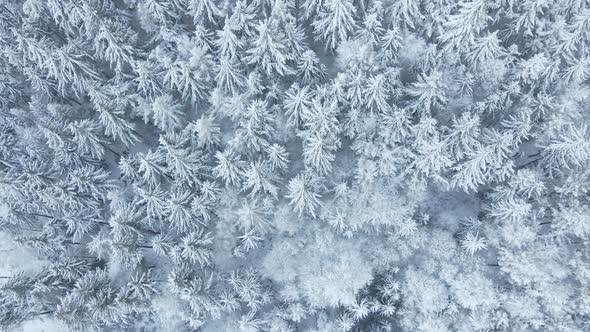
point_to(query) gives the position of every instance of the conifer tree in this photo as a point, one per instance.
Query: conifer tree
(428, 92)
(297, 101)
(463, 26)
(229, 75)
(335, 22)
(309, 68)
(303, 194)
(229, 167)
(259, 178)
(268, 49)
(194, 247)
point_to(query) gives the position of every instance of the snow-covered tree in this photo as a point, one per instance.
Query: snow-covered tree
(570, 149)
(309, 68)
(268, 49)
(303, 194)
(429, 92)
(464, 134)
(462, 27)
(483, 163)
(259, 178)
(195, 247)
(278, 157)
(229, 167)
(255, 127)
(296, 103)
(377, 93)
(319, 152)
(254, 214)
(229, 76)
(335, 22)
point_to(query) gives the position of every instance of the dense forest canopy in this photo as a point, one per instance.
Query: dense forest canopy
(295, 165)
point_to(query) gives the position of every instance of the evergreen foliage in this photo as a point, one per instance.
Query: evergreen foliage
(313, 165)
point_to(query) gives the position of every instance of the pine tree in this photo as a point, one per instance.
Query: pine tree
(116, 126)
(166, 113)
(278, 157)
(372, 29)
(115, 43)
(572, 220)
(463, 136)
(268, 49)
(377, 93)
(162, 12)
(335, 22)
(18, 287)
(297, 102)
(260, 179)
(151, 166)
(303, 194)
(254, 214)
(390, 42)
(242, 17)
(86, 138)
(433, 158)
(70, 69)
(572, 40)
(485, 50)
(296, 36)
(249, 323)
(203, 10)
(322, 118)
(203, 205)
(193, 76)
(480, 164)
(409, 12)
(396, 125)
(153, 200)
(163, 246)
(228, 42)
(429, 92)
(195, 247)
(309, 68)
(148, 82)
(229, 76)
(184, 163)
(255, 127)
(179, 212)
(229, 167)
(125, 224)
(141, 288)
(569, 149)
(518, 126)
(510, 210)
(196, 290)
(207, 130)
(577, 70)
(91, 181)
(249, 240)
(254, 83)
(473, 243)
(247, 283)
(319, 152)
(462, 26)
